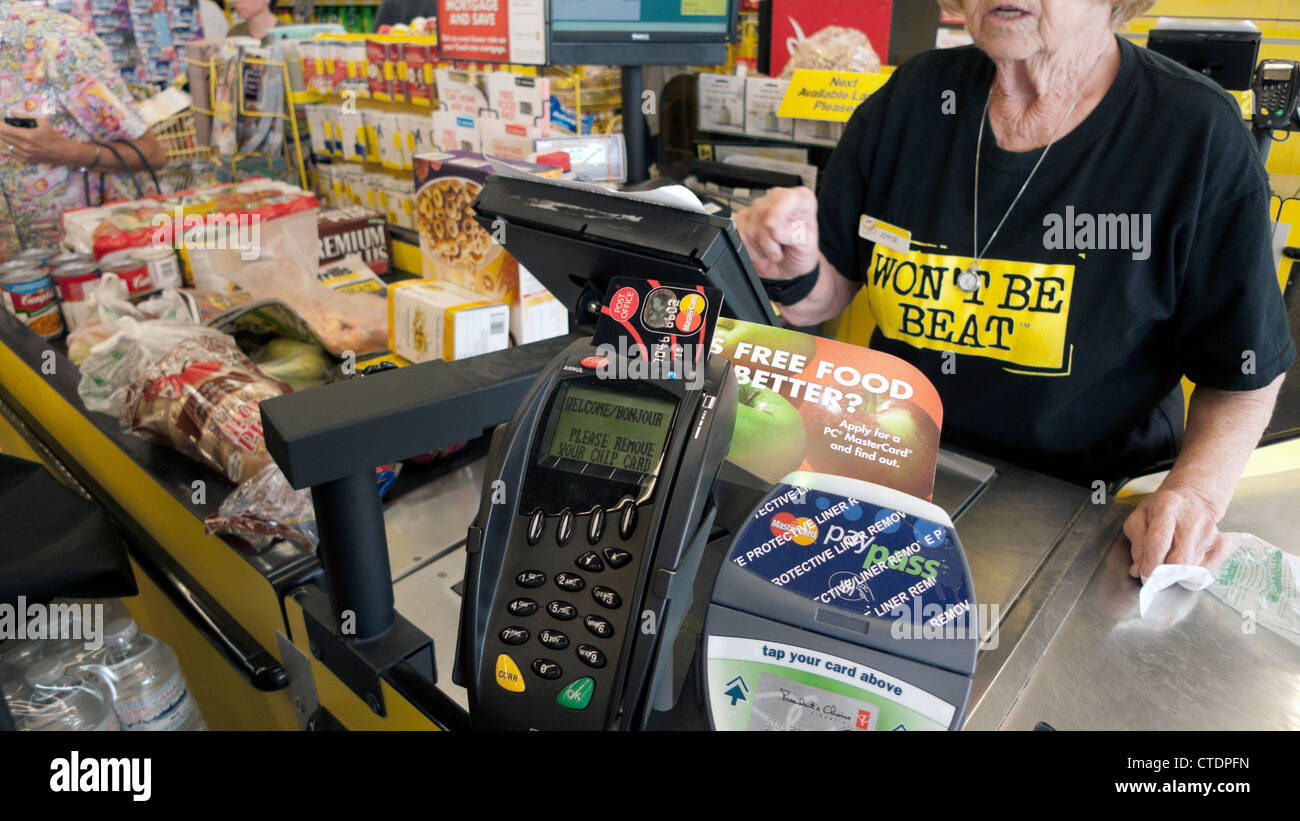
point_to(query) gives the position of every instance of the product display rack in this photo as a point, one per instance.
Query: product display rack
(293, 151)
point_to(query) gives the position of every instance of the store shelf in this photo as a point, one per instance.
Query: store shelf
(306, 97)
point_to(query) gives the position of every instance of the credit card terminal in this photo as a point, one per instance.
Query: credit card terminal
(1277, 93)
(596, 493)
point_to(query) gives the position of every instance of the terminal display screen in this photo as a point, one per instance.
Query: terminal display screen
(650, 16)
(609, 429)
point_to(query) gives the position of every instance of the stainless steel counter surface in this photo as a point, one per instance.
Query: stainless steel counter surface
(426, 546)
(1070, 648)
(1191, 664)
(432, 519)
(1012, 528)
(430, 599)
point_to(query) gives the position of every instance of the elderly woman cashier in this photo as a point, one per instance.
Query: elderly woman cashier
(1056, 225)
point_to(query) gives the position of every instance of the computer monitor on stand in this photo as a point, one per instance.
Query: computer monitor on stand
(634, 33)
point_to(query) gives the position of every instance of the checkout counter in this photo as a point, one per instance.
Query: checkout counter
(258, 644)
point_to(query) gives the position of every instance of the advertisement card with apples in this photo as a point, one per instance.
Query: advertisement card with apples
(814, 404)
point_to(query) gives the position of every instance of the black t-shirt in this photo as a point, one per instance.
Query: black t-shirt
(1066, 357)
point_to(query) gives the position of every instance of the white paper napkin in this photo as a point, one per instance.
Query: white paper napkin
(1186, 576)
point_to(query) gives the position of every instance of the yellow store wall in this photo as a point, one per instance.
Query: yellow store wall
(1278, 21)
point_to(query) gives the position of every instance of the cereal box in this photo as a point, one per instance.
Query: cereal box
(455, 133)
(454, 248)
(437, 320)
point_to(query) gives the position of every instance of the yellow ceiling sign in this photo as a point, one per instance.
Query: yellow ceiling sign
(828, 95)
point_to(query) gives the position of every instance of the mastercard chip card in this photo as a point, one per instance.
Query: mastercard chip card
(668, 325)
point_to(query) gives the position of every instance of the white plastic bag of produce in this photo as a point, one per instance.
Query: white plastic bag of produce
(108, 305)
(113, 364)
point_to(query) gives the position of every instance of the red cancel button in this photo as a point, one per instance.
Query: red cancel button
(594, 362)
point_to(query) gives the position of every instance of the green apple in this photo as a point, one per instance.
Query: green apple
(769, 438)
(789, 348)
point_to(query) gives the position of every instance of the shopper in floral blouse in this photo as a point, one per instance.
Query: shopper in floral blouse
(55, 71)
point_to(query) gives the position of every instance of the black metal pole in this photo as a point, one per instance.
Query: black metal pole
(634, 124)
(353, 551)
(1263, 141)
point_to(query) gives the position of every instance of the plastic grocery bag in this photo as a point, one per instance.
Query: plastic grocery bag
(202, 398)
(1263, 580)
(343, 321)
(113, 364)
(266, 509)
(109, 304)
(118, 340)
(106, 304)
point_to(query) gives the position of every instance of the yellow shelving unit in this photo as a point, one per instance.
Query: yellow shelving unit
(292, 143)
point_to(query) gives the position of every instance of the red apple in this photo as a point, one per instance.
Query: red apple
(913, 474)
(769, 439)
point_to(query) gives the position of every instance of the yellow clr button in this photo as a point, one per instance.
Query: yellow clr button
(508, 675)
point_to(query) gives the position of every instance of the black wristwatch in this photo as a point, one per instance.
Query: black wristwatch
(790, 291)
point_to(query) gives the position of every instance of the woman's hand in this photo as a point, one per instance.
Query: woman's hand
(1178, 524)
(1175, 525)
(41, 144)
(780, 233)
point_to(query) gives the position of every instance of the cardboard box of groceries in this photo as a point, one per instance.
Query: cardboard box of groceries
(430, 320)
(456, 249)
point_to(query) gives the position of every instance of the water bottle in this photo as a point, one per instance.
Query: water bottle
(55, 699)
(148, 689)
(72, 649)
(16, 655)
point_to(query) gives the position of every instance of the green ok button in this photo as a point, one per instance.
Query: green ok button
(577, 695)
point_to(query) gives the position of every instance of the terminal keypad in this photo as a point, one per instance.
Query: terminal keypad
(603, 570)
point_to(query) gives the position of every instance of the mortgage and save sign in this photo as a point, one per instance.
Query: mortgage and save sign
(492, 31)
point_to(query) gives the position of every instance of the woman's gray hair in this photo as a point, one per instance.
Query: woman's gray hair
(1121, 11)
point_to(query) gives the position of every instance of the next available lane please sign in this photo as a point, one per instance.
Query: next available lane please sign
(829, 95)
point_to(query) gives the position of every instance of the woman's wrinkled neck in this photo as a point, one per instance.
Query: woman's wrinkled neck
(1031, 97)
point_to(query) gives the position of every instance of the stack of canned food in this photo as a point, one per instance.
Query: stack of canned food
(48, 288)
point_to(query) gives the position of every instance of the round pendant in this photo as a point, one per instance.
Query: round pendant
(969, 280)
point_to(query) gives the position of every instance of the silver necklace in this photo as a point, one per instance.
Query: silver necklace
(969, 279)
